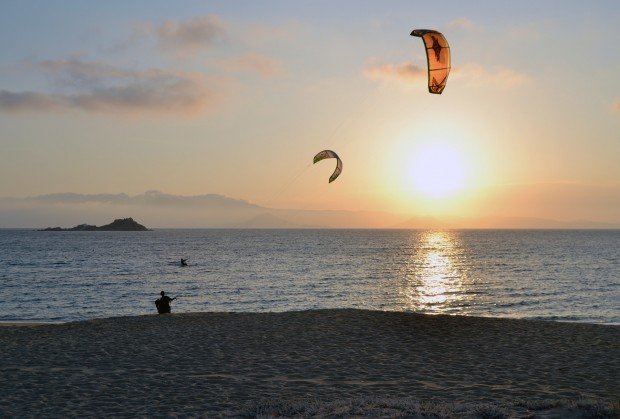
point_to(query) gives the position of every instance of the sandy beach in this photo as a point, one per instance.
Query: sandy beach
(309, 363)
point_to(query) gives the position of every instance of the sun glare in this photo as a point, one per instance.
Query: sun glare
(436, 171)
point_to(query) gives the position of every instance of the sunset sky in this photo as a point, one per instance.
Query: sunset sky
(235, 98)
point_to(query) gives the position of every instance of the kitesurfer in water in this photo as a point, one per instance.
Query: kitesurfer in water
(163, 303)
(183, 262)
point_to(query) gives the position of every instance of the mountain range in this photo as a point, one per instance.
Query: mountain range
(161, 210)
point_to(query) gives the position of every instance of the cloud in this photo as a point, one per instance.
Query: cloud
(14, 102)
(405, 72)
(188, 37)
(471, 73)
(461, 23)
(102, 88)
(78, 72)
(253, 62)
(496, 76)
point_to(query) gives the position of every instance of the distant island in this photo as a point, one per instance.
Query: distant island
(121, 224)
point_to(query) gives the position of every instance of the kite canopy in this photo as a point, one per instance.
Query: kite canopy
(437, 57)
(328, 154)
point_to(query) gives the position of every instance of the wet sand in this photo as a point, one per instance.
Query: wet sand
(322, 363)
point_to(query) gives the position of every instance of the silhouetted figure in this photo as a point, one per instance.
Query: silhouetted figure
(183, 262)
(163, 303)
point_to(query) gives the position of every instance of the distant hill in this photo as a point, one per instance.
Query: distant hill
(423, 223)
(266, 220)
(120, 224)
(219, 211)
(150, 198)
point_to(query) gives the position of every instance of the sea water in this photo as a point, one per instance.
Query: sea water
(533, 274)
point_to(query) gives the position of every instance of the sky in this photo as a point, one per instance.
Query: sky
(235, 98)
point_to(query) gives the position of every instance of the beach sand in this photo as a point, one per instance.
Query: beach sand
(322, 363)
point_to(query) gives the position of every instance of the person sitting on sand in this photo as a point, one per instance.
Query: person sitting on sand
(183, 262)
(163, 303)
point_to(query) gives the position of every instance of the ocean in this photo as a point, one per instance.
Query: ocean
(563, 275)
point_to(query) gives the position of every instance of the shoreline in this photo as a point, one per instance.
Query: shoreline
(217, 364)
(31, 323)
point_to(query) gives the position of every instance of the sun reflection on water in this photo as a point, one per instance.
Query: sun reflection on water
(435, 276)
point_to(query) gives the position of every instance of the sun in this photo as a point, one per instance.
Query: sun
(436, 171)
